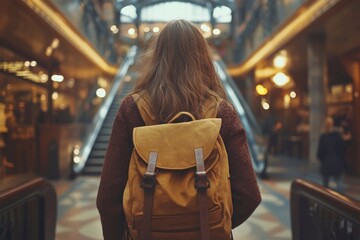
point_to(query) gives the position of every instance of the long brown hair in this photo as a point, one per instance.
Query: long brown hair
(180, 74)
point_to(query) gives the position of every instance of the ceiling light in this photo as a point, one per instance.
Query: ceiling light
(48, 51)
(205, 27)
(57, 78)
(216, 31)
(261, 90)
(131, 31)
(55, 43)
(292, 94)
(280, 60)
(55, 96)
(100, 92)
(281, 79)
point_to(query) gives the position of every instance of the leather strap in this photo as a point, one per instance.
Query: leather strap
(202, 184)
(148, 184)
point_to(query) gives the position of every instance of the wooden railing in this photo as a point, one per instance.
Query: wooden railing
(318, 213)
(27, 209)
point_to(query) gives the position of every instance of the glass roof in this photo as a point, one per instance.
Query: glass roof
(167, 11)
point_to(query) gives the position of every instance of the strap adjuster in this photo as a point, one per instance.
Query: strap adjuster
(201, 181)
(148, 182)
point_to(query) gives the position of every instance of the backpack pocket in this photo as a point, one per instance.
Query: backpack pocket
(180, 223)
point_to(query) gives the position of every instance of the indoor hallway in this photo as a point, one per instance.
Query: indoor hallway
(78, 217)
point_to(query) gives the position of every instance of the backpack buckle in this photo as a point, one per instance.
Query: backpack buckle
(201, 181)
(149, 181)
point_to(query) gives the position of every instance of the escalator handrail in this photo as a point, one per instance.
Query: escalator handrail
(80, 156)
(245, 114)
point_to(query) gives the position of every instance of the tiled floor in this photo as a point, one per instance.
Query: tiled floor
(78, 217)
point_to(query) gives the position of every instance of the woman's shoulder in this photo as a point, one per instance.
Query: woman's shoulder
(128, 106)
(226, 110)
(231, 123)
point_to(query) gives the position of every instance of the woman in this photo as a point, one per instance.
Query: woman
(180, 76)
(331, 154)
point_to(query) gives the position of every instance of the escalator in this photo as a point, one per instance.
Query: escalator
(87, 158)
(252, 129)
(96, 158)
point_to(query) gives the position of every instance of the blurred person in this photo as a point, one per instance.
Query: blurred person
(180, 76)
(331, 154)
(271, 147)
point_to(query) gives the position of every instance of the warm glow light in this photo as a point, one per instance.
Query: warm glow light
(131, 31)
(55, 43)
(280, 60)
(216, 31)
(55, 96)
(76, 151)
(100, 92)
(76, 159)
(287, 101)
(265, 106)
(292, 94)
(348, 88)
(57, 78)
(44, 78)
(205, 27)
(261, 90)
(27, 63)
(146, 29)
(33, 63)
(156, 29)
(280, 79)
(114, 29)
(48, 51)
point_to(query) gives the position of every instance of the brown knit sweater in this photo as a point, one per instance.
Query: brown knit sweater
(245, 191)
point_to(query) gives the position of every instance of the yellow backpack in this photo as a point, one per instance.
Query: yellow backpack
(179, 184)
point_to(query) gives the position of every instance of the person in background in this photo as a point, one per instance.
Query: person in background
(272, 147)
(331, 154)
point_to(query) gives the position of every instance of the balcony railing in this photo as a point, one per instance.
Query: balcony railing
(318, 213)
(27, 209)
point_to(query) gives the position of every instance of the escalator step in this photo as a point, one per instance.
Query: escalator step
(92, 170)
(92, 162)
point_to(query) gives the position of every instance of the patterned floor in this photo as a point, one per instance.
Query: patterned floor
(78, 217)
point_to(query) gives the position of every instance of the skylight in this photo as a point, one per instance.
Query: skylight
(164, 12)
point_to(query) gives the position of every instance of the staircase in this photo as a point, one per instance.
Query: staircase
(96, 158)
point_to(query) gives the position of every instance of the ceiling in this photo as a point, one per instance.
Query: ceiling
(340, 29)
(27, 34)
(141, 3)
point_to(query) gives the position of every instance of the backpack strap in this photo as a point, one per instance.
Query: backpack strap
(148, 184)
(202, 184)
(142, 101)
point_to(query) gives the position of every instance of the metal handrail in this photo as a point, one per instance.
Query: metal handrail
(257, 150)
(321, 213)
(27, 208)
(80, 154)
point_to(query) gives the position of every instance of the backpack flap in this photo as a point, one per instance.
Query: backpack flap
(176, 142)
